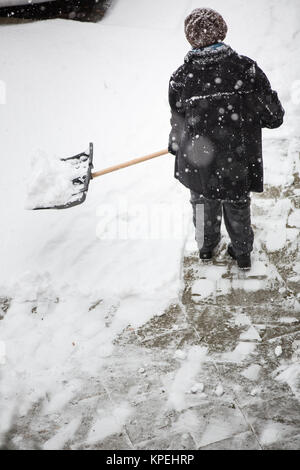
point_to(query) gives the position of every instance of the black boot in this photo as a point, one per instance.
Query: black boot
(205, 254)
(243, 261)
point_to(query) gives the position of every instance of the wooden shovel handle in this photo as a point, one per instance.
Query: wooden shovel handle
(129, 163)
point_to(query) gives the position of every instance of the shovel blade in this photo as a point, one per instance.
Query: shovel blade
(83, 164)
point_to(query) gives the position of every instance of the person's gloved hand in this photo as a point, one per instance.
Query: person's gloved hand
(173, 147)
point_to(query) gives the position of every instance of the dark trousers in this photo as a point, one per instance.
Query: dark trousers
(237, 218)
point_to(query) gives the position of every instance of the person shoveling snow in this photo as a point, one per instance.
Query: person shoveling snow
(219, 103)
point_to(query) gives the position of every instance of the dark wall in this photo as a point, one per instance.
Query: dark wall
(81, 10)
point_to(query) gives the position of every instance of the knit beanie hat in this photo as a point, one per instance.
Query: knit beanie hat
(204, 27)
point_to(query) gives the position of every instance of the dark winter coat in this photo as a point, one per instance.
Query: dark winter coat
(219, 103)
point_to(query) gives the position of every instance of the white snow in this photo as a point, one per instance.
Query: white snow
(290, 375)
(184, 378)
(212, 283)
(64, 434)
(249, 285)
(198, 387)
(109, 423)
(250, 334)
(252, 372)
(241, 351)
(2, 353)
(272, 433)
(179, 354)
(219, 390)
(294, 218)
(276, 238)
(242, 319)
(203, 288)
(288, 320)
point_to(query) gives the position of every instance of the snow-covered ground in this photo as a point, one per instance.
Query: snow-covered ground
(71, 281)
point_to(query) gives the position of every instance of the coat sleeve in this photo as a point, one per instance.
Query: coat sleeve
(176, 85)
(269, 107)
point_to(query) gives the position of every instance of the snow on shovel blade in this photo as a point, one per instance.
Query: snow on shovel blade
(80, 167)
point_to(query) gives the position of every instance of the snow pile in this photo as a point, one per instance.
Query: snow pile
(50, 182)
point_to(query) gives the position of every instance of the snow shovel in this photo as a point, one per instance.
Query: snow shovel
(83, 162)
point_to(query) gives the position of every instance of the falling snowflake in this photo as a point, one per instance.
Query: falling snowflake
(238, 84)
